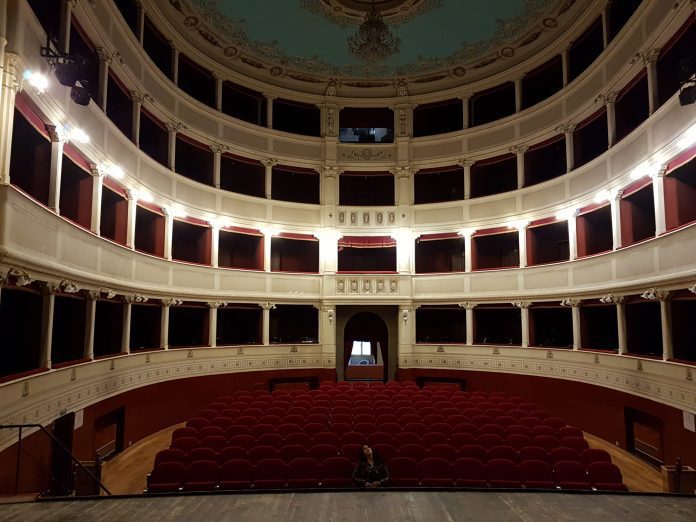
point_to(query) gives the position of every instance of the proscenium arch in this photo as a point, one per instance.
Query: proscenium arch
(389, 317)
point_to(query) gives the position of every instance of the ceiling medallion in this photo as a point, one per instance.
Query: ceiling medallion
(350, 13)
(374, 41)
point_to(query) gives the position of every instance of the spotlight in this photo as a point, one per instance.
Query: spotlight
(36, 80)
(69, 71)
(76, 134)
(80, 95)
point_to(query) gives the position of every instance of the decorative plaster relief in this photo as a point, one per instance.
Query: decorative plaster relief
(367, 285)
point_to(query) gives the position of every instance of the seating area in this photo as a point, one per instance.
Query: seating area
(435, 436)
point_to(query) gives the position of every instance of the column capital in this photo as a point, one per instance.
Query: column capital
(269, 162)
(68, 287)
(98, 171)
(616, 195)
(51, 288)
(175, 126)
(332, 87)
(15, 68)
(468, 305)
(569, 301)
(692, 288)
(565, 128)
(172, 44)
(216, 304)
(105, 56)
(267, 305)
(219, 148)
(57, 133)
(110, 294)
(521, 304)
(138, 97)
(93, 295)
(70, 3)
(331, 172)
(403, 172)
(466, 96)
(171, 301)
(611, 298)
(647, 57)
(653, 294)
(519, 77)
(606, 99)
(135, 298)
(518, 149)
(466, 162)
(401, 87)
(21, 277)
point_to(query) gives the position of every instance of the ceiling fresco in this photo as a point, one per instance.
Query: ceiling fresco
(310, 36)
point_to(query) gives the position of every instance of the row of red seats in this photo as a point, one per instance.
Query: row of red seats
(335, 472)
(386, 451)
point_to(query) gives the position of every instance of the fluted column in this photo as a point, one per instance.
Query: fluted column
(609, 101)
(217, 149)
(469, 321)
(524, 318)
(214, 244)
(131, 197)
(66, 9)
(658, 185)
(567, 129)
(522, 237)
(58, 140)
(574, 305)
(11, 82)
(269, 163)
(573, 236)
(466, 117)
(138, 100)
(616, 220)
(168, 233)
(666, 323)
(266, 308)
(164, 324)
(174, 62)
(104, 62)
(649, 59)
(466, 164)
(173, 128)
(518, 151)
(97, 192)
(48, 308)
(212, 322)
(518, 92)
(90, 323)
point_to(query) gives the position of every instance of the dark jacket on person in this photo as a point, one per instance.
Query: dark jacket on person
(365, 473)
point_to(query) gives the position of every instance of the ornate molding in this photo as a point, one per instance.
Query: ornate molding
(21, 277)
(518, 149)
(105, 56)
(267, 305)
(647, 57)
(466, 162)
(366, 154)
(366, 285)
(565, 128)
(69, 287)
(217, 304)
(521, 304)
(653, 294)
(219, 148)
(569, 301)
(15, 69)
(468, 305)
(110, 294)
(403, 172)
(175, 126)
(369, 217)
(269, 162)
(607, 98)
(136, 298)
(611, 299)
(331, 172)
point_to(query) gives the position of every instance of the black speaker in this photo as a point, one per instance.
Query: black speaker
(687, 95)
(80, 95)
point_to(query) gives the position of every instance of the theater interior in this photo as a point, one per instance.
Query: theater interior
(241, 240)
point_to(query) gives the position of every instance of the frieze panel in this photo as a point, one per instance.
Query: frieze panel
(367, 218)
(367, 285)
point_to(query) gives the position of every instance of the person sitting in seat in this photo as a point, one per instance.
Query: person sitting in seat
(371, 472)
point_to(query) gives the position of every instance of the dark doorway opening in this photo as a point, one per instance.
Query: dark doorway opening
(365, 350)
(644, 436)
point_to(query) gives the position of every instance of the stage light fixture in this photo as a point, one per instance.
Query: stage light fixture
(80, 95)
(36, 80)
(77, 134)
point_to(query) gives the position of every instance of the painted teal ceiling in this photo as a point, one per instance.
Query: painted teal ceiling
(291, 33)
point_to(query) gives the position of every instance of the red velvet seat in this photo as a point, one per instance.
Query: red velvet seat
(546, 441)
(555, 422)
(473, 451)
(351, 452)
(403, 472)
(380, 437)
(303, 473)
(339, 428)
(518, 429)
(605, 476)
(467, 427)
(223, 422)
(460, 439)
(390, 427)
(518, 441)
(341, 418)
(386, 418)
(469, 473)
(445, 451)
(571, 475)
(502, 473)
(353, 437)
(232, 453)
(270, 474)
(409, 418)
(326, 437)
(480, 420)
(207, 431)
(534, 453)
(530, 422)
(492, 428)
(185, 444)
(365, 428)
(243, 441)
(207, 413)
(202, 454)
(439, 427)
(171, 455)
(166, 477)
(312, 428)
(237, 429)
(363, 418)
(594, 455)
(577, 443)
(537, 474)
(294, 418)
(216, 442)
(197, 422)
(488, 440)
(246, 420)
(385, 451)
(286, 429)
(544, 430)
(272, 420)
(270, 439)
(301, 439)
(504, 420)
(291, 452)
(320, 452)
(435, 472)
(415, 427)
(258, 453)
(569, 431)
(559, 454)
(201, 475)
(540, 414)
(336, 472)
(430, 438)
(503, 452)
(218, 405)
(184, 432)
(413, 451)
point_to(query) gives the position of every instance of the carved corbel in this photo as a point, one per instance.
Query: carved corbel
(219, 148)
(467, 305)
(217, 304)
(402, 172)
(171, 301)
(518, 149)
(611, 298)
(521, 304)
(465, 162)
(653, 294)
(93, 295)
(268, 305)
(269, 162)
(569, 301)
(332, 172)
(110, 294)
(136, 298)
(692, 289)
(565, 128)
(175, 126)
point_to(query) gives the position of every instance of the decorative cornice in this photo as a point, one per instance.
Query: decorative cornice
(219, 148)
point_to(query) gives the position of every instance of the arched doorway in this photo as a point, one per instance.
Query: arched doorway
(366, 347)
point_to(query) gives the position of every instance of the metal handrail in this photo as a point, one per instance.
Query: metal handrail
(54, 439)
